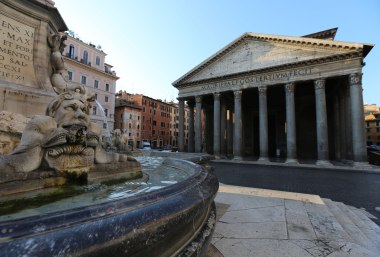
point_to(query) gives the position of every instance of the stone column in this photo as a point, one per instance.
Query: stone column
(198, 124)
(237, 125)
(291, 146)
(357, 119)
(337, 125)
(321, 114)
(229, 132)
(217, 124)
(181, 122)
(223, 128)
(263, 123)
(191, 126)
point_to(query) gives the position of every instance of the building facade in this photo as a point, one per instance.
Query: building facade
(174, 125)
(128, 120)
(372, 124)
(86, 65)
(278, 96)
(155, 119)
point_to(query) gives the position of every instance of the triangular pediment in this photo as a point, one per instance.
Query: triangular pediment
(253, 52)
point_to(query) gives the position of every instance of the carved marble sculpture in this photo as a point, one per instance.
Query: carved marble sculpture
(11, 127)
(65, 139)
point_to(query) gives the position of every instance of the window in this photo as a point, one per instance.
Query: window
(85, 57)
(96, 83)
(104, 125)
(377, 129)
(138, 117)
(106, 99)
(71, 51)
(97, 60)
(106, 112)
(130, 116)
(107, 87)
(138, 126)
(94, 110)
(96, 96)
(130, 125)
(70, 75)
(83, 80)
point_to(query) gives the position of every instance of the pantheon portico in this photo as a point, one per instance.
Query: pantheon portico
(270, 96)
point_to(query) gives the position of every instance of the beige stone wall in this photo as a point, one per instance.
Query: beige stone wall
(25, 68)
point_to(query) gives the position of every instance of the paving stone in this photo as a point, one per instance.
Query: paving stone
(264, 214)
(260, 248)
(324, 223)
(297, 221)
(271, 230)
(241, 201)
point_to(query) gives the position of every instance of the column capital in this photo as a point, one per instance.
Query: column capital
(319, 84)
(180, 99)
(289, 88)
(198, 99)
(217, 95)
(355, 79)
(237, 94)
(262, 90)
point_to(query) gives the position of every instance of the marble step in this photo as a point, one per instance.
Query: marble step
(366, 226)
(324, 223)
(349, 226)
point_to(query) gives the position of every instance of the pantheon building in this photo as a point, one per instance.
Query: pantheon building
(268, 96)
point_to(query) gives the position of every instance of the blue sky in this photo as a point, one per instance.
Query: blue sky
(151, 43)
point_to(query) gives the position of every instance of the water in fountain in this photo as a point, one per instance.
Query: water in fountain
(157, 176)
(105, 122)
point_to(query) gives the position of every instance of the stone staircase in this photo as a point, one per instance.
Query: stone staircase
(261, 223)
(353, 225)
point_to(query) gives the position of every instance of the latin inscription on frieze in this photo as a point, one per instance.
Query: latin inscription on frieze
(16, 51)
(268, 78)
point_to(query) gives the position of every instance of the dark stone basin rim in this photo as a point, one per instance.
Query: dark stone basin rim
(51, 221)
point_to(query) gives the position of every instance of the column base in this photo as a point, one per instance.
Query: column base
(362, 165)
(291, 161)
(263, 159)
(237, 158)
(324, 163)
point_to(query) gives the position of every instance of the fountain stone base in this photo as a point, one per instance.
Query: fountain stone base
(176, 220)
(19, 182)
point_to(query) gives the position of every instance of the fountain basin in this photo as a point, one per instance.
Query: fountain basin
(176, 220)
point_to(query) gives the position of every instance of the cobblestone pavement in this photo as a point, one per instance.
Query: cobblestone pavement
(359, 189)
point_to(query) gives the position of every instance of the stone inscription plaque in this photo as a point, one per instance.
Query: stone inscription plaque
(16, 52)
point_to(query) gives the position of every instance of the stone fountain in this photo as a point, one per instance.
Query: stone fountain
(62, 194)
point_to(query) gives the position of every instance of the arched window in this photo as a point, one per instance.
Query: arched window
(71, 51)
(97, 61)
(85, 57)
